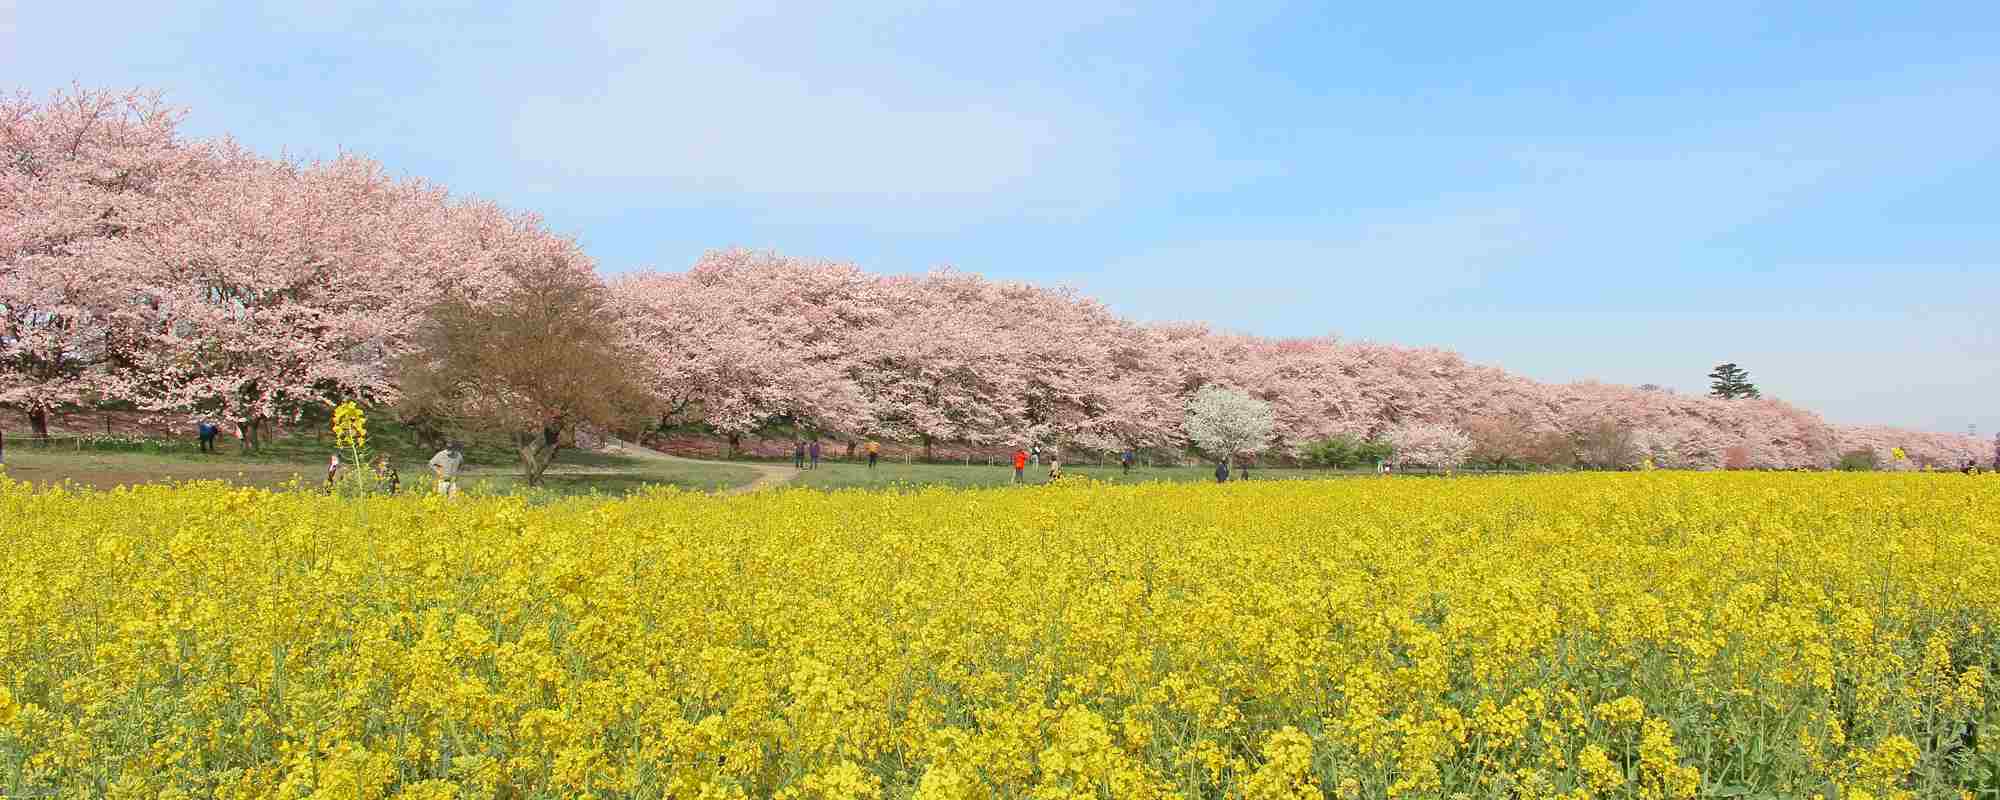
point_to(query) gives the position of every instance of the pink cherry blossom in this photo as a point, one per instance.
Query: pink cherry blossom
(77, 174)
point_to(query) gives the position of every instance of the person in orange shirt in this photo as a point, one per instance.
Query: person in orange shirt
(1020, 464)
(874, 450)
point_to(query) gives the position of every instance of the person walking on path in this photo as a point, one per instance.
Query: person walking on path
(445, 466)
(1125, 460)
(1020, 464)
(874, 451)
(814, 452)
(1222, 471)
(798, 454)
(206, 431)
(1035, 454)
(1245, 466)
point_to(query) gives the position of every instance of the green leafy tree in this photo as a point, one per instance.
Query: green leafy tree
(1731, 382)
(1374, 452)
(1339, 452)
(1345, 452)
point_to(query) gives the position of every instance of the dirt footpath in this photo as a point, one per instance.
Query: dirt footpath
(769, 476)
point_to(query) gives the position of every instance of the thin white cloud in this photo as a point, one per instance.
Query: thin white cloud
(740, 130)
(887, 105)
(1584, 208)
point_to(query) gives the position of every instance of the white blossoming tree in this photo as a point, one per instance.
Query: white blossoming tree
(1430, 444)
(1226, 423)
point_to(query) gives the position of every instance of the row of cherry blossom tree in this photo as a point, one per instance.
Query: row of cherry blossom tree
(194, 278)
(746, 342)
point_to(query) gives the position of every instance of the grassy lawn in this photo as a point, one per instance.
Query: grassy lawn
(623, 475)
(574, 471)
(839, 475)
(493, 468)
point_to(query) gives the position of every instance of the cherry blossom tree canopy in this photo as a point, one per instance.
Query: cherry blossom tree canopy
(1226, 423)
(196, 279)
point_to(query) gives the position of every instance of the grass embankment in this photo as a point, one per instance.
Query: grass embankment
(303, 458)
(841, 475)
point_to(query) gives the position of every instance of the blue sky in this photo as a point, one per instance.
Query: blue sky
(1629, 193)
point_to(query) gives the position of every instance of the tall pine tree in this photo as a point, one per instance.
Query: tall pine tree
(1731, 382)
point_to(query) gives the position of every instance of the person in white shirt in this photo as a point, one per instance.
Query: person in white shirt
(445, 466)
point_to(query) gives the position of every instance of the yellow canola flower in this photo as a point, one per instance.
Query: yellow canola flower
(1637, 635)
(1598, 773)
(350, 426)
(1627, 709)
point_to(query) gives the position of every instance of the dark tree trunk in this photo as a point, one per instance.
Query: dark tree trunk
(424, 433)
(735, 441)
(927, 448)
(250, 433)
(538, 450)
(535, 458)
(38, 423)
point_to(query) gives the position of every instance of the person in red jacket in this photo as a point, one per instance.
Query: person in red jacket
(1020, 464)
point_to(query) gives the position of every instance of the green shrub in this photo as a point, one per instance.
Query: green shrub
(1374, 452)
(1858, 461)
(1344, 452)
(1335, 452)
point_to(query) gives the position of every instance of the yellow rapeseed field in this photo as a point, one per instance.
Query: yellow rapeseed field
(1631, 636)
